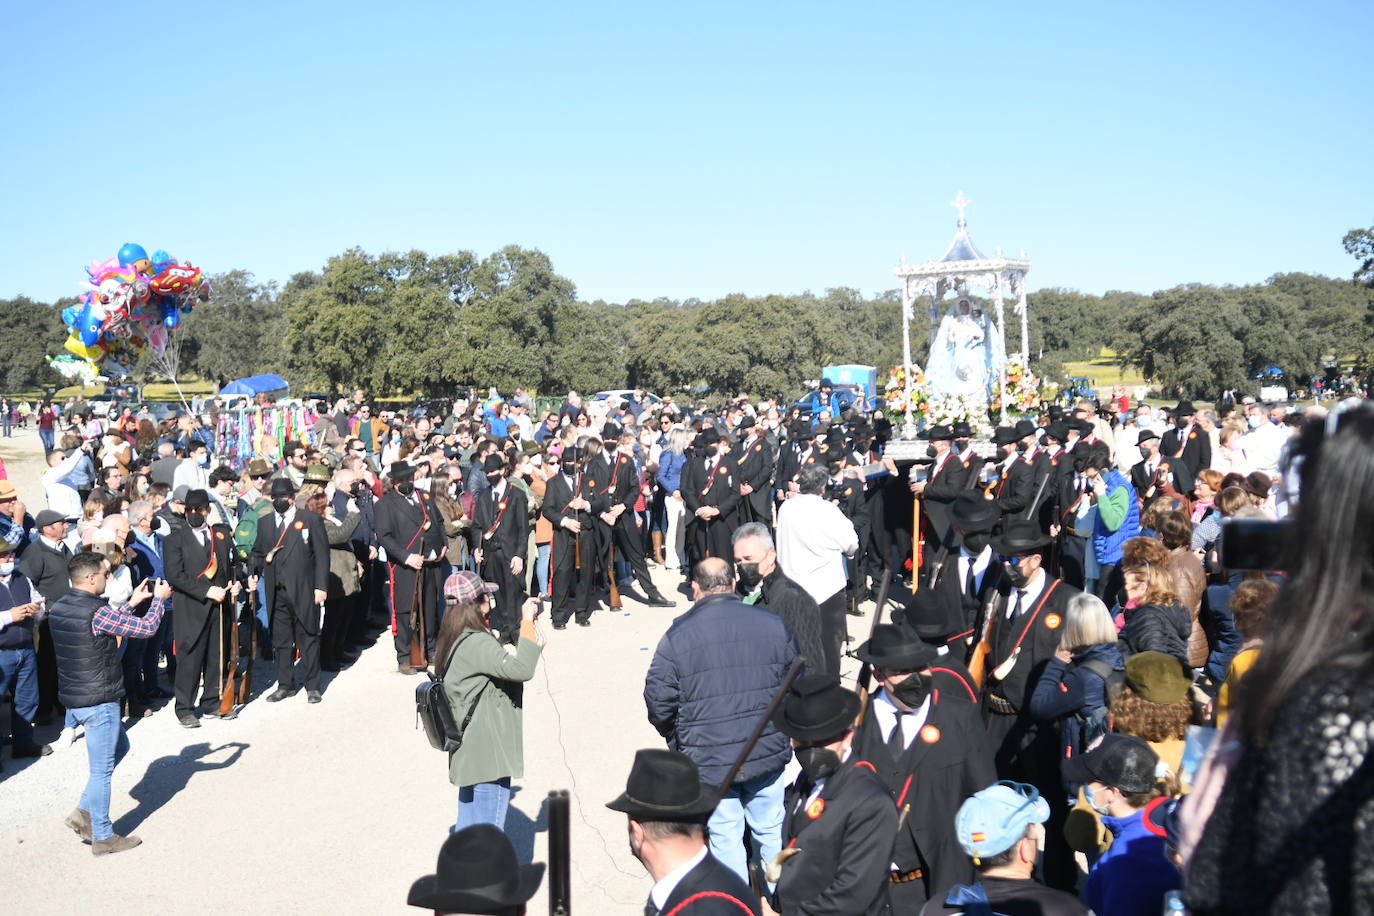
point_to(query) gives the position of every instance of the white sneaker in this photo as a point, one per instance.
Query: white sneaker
(65, 740)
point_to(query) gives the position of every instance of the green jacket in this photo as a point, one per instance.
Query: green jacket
(493, 745)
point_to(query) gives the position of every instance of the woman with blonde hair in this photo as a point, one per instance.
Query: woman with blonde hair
(1075, 685)
(1154, 618)
(671, 461)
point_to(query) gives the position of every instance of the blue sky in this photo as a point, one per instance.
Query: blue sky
(690, 149)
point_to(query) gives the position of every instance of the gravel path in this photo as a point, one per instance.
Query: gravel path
(333, 808)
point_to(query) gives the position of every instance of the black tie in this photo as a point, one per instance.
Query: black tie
(896, 741)
(650, 909)
(970, 583)
(1016, 606)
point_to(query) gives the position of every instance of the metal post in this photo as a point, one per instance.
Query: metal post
(908, 306)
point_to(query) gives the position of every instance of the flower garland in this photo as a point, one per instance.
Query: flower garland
(895, 392)
(1022, 391)
(950, 409)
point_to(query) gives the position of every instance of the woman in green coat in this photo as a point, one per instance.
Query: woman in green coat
(476, 669)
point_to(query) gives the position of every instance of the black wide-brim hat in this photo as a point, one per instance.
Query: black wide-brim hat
(893, 647)
(282, 486)
(972, 511)
(932, 616)
(1184, 409)
(937, 433)
(708, 436)
(1004, 435)
(1024, 428)
(401, 470)
(816, 708)
(665, 786)
(1058, 431)
(962, 430)
(1020, 537)
(477, 872)
(1146, 435)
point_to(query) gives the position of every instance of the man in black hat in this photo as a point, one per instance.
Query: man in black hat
(1034, 455)
(753, 459)
(667, 808)
(477, 875)
(931, 752)
(573, 552)
(1023, 630)
(1014, 488)
(1158, 476)
(411, 531)
(802, 450)
(841, 822)
(949, 476)
(710, 494)
(292, 552)
(964, 574)
(1187, 442)
(502, 529)
(612, 478)
(199, 565)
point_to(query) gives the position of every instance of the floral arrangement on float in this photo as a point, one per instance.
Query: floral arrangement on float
(1022, 391)
(904, 382)
(947, 410)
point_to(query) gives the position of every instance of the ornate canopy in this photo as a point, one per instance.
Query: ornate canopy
(961, 266)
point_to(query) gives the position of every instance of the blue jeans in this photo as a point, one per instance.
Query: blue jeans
(541, 569)
(757, 802)
(19, 670)
(45, 436)
(483, 803)
(106, 745)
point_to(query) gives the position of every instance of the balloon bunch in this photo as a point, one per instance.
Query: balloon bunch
(132, 302)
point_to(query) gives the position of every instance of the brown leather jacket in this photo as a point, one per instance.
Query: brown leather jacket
(1190, 581)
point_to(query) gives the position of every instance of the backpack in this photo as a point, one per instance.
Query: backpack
(432, 710)
(246, 532)
(1093, 722)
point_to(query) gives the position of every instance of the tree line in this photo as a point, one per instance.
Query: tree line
(414, 323)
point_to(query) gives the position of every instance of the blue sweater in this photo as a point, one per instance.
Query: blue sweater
(1132, 876)
(1065, 690)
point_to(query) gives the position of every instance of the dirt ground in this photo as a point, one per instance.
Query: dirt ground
(334, 808)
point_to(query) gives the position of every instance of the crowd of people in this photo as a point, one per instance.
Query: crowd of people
(1063, 634)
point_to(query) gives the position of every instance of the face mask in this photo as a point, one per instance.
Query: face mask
(1255, 422)
(494, 479)
(961, 444)
(1000, 455)
(1021, 447)
(818, 762)
(205, 461)
(1017, 578)
(7, 568)
(162, 527)
(195, 519)
(748, 574)
(975, 541)
(930, 451)
(130, 539)
(1181, 422)
(281, 504)
(914, 690)
(1092, 802)
(406, 488)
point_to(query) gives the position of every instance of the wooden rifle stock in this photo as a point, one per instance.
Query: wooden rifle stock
(560, 854)
(229, 693)
(762, 724)
(417, 622)
(610, 571)
(246, 679)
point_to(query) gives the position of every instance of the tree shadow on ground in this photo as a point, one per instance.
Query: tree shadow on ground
(166, 776)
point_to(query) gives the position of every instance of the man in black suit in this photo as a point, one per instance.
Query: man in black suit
(965, 574)
(612, 476)
(1025, 623)
(411, 531)
(710, 495)
(503, 534)
(1158, 476)
(931, 752)
(949, 476)
(292, 552)
(802, 450)
(1015, 486)
(1187, 442)
(841, 822)
(753, 458)
(198, 562)
(667, 808)
(573, 553)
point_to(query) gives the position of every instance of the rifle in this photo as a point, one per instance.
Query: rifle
(228, 694)
(246, 679)
(560, 849)
(866, 670)
(610, 571)
(762, 724)
(417, 622)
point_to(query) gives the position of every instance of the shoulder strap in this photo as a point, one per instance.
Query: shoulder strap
(1097, 666)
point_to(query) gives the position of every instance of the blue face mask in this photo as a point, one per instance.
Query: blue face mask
(7, 569)
(1092, 803)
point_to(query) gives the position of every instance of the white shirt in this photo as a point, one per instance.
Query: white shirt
(886, 712)
(663, 888)
(191, 475)
(1264, 445)
(980, 566)
(813, 538)
(1028, 595)
(62, 497)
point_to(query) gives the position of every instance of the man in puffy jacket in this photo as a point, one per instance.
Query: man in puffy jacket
(713, 675)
